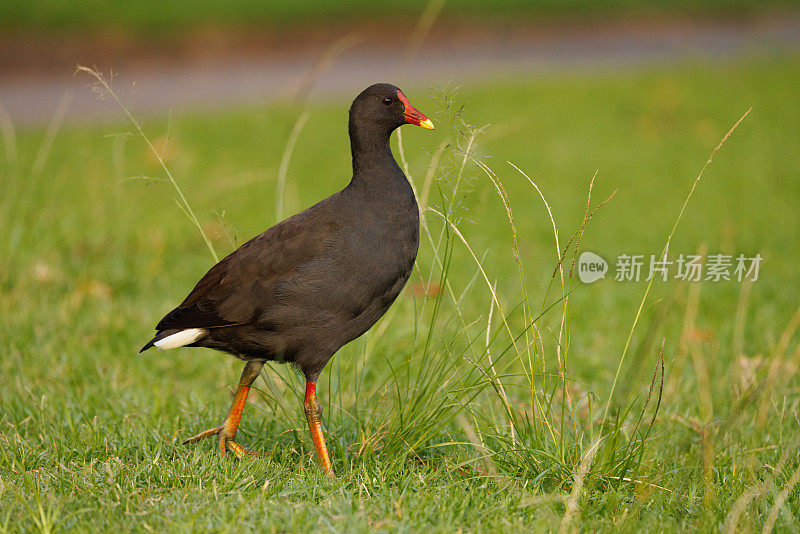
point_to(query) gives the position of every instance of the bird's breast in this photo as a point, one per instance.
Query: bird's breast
(381, 255)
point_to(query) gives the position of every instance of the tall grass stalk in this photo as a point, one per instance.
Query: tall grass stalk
(758, 490)
(421, 30)
(518, 442)
(780, 500)
(104, 88)
(9, 135)
(571, 507)
(664, 251)
(21, 196)
(280, 185)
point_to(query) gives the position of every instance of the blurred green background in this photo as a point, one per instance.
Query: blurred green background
(161, 17)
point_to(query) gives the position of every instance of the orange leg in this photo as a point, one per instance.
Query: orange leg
(313, 411)
(227, 431)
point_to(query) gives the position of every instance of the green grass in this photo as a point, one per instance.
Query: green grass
(90, 430)
(160, 18)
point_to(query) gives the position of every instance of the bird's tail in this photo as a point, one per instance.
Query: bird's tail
(174, 338)
(149, 344)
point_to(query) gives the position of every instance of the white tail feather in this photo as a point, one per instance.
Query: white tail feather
(179, 339)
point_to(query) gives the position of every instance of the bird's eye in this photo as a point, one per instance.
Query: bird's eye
(387, 101)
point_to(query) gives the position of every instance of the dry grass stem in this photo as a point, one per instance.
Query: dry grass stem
(577, 487)
(280, 185)
(106, 89)
(663, 253)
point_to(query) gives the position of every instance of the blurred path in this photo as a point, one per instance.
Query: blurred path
(222, 83)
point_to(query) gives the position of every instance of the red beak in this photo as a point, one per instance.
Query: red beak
(412, 115)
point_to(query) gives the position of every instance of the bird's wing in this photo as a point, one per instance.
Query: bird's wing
(241, 286)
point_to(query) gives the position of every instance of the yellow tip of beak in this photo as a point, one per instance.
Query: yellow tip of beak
(427, 124)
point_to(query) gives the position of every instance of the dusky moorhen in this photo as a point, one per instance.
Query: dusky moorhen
(301, 290)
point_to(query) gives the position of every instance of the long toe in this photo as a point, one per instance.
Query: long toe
(240, 451)
(226, 442)
(204, 434)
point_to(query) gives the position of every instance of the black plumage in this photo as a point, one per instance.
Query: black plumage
(312, 283)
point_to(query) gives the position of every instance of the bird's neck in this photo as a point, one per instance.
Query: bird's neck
(372, 154)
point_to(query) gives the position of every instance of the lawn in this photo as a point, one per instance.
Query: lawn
(456, 411)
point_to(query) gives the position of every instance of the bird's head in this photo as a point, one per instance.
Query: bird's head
(384, 105)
